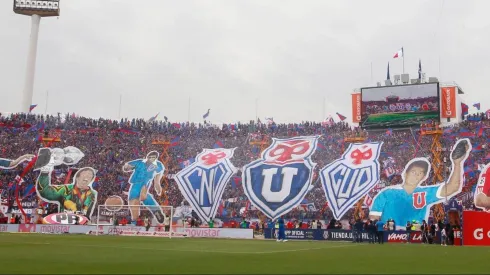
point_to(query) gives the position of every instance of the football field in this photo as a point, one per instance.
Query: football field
(56, 254)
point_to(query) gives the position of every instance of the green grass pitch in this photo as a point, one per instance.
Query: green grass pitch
(80, 254)
(400, 118)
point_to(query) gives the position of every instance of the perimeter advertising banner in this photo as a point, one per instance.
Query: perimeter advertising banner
(448, 102)
(476, 228)
(356, 108)
(232, 233)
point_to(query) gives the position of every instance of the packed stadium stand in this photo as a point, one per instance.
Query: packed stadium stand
(108, 144)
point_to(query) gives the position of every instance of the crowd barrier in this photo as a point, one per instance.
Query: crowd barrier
(346, 235)
(234, 233)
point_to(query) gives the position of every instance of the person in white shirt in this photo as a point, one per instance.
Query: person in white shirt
(443, 237)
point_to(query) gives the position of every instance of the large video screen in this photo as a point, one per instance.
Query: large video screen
(398, 106)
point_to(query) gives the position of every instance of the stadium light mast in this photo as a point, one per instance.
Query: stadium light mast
(35, 9)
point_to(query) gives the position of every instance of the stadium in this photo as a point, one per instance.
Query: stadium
(400, 186)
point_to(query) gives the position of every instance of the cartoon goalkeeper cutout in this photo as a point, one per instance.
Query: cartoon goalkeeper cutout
(145, 172)
(78, 196)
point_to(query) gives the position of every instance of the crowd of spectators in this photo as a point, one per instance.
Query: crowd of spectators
(108, 144)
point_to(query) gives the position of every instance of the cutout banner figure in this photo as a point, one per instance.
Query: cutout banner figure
(482, 191)
(351, 177)
(203, 182)
(145, 173)
(279, 181)
(409, 201)
(79, 196)
(11, 164)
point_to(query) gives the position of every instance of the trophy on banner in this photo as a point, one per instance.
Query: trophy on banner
(48, 158)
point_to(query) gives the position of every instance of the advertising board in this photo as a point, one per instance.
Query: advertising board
(476, 228)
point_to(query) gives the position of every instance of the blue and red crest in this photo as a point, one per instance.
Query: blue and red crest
(203, 182)
(280, 179)
(350, 178)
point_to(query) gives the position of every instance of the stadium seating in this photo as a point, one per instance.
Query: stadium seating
(108, 144)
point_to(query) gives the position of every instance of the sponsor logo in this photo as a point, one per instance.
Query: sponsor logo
(26, 228)
(203, 233)
(479, 234)
(348, 179)
(54, 229)
(358, 108)
(4, 228)
(203, 182)
(447, 101)
(64, 218)
(280, 179)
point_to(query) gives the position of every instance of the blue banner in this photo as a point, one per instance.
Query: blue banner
(346, 235)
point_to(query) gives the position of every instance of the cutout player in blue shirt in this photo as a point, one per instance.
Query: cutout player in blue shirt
(410, 201)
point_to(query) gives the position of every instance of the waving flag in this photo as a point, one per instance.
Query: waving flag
(477, 106)
(399, 53)
(35, 105)
(218, 144)
(206, 114)
(175, 141)
(153, 117)
(464, 108)
(465, 133)
(480, 130)
(341, 117)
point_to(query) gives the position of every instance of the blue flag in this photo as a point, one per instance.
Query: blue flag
(206, 114)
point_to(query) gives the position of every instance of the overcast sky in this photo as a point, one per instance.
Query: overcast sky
(226, 54)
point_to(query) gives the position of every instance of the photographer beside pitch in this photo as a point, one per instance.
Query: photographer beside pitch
(409, 201)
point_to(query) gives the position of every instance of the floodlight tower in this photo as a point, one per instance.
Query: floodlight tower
(35, 9)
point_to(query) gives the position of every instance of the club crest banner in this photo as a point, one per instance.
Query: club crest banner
(203, 182)
(280, 179)
(351, 177)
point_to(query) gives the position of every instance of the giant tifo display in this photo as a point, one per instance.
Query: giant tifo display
(310, 171)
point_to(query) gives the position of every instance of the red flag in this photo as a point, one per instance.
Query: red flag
(399, 53)
(341, 117)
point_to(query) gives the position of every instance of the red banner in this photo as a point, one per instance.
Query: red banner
(356, 108)
(448, 102)
(476, 228)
